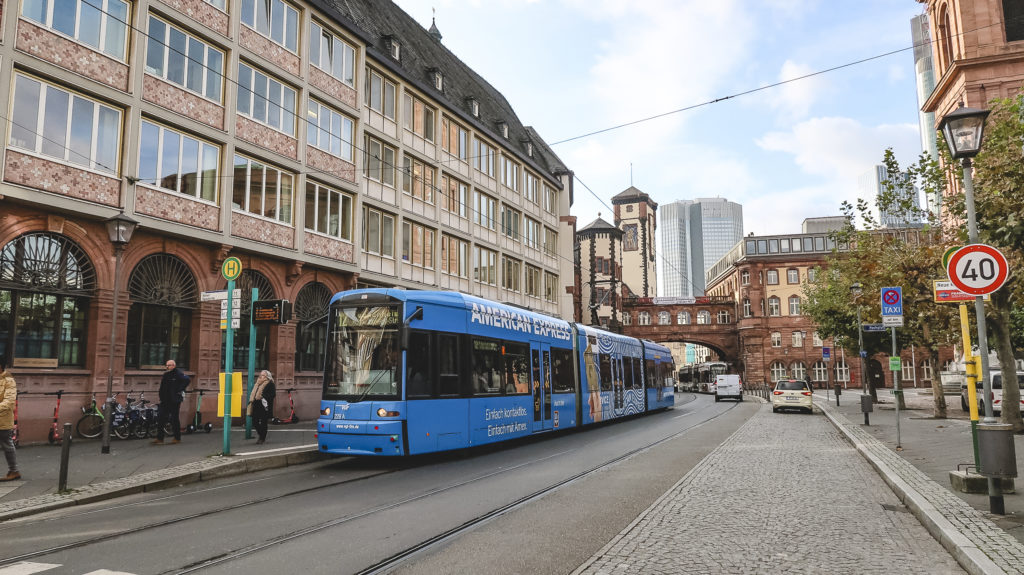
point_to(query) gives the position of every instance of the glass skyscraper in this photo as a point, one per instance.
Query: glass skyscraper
(694, 235)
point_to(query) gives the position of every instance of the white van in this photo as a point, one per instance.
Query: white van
(997, 392)
(728, 386)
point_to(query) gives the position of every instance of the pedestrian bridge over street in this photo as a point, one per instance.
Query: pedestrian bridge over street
(708, 321)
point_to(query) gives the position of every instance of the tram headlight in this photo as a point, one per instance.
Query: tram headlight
(385, 413)
(325, 411)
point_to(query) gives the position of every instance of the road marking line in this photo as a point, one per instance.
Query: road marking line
(290, 448)
(108, 572)
(27, 568)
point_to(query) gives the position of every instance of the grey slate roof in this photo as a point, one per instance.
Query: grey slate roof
(376, 20)
(632, 195)
(599, 226)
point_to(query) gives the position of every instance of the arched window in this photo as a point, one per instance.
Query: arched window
(799, 370)
(794, 305)
(774, 306)
(163, 292)
(644, 318)
(311, 333)
(683, 318)
(723, 316)
(777, 371)
(245, 282)
(46, 281)
(819, 372)
(703, 317)
(664, 318)
(945, 40)
(842, 371)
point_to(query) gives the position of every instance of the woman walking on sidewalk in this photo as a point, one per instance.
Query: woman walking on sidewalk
(261, 404)
(8, 395)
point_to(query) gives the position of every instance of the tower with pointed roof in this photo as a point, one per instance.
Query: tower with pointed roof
(636, 217)
(599, 246)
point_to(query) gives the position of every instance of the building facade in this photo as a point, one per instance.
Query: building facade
(696, 234)
(599, 245)
(636, 214)
(327, 145)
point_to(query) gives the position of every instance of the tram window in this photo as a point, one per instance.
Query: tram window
(561, 371)
(627, 373)
(638, 382)
(417, 366)
(447, 351)
(517, 368)
(487, 366)
(651, 374)
(605, 365)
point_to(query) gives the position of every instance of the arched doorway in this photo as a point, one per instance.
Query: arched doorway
(875, 374)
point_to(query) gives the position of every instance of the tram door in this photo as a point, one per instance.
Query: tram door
(540, 360)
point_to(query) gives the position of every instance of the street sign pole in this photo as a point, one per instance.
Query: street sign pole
(229, 352)
(897, 391)
(252, 361)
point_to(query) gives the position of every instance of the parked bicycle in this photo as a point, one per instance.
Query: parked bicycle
(90, 425)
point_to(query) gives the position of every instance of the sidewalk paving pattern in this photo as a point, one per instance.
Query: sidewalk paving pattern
(787, 493)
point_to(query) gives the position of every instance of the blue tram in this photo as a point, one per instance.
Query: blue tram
(411, 372)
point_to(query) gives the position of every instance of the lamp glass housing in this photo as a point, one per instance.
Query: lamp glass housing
(964, 130)
(120, 229)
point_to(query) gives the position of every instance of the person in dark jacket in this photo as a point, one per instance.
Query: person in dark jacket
(261, 404)
(172, 392)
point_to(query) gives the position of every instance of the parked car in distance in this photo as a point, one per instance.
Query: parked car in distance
(997, 393)
(792, 394)
(728, 387)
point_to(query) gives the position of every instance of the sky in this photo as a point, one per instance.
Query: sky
(572, 67)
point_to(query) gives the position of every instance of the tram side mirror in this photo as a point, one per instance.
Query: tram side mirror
(418, 314)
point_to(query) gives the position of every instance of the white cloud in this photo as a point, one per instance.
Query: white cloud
(794, 99)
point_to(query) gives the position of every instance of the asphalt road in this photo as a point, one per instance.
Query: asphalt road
(346, 515)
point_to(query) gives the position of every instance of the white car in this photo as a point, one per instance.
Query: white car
(997, 393)
(792, 394)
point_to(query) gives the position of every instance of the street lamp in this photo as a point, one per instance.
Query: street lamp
(119, 231)
(964, 129)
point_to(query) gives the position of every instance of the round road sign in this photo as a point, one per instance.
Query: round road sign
(231, 268)
(977, 269)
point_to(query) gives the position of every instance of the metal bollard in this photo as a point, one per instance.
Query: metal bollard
(867, 406)
(838, 389)
(65, 454)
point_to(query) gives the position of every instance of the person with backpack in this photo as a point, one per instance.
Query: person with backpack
(172, 393)
(261, 404)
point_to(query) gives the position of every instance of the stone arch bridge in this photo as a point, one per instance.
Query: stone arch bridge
(648, 320)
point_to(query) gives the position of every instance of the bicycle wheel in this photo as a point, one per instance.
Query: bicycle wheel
(121, 431)
(90, 426)
(139, 430)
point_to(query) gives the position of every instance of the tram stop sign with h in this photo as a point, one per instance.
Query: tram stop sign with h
(977, 269)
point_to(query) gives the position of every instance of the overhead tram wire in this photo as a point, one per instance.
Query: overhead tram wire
(435, 163)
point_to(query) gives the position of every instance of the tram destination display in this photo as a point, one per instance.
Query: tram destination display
(271, 311)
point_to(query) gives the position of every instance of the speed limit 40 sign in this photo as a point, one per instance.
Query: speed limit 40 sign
(977, 269)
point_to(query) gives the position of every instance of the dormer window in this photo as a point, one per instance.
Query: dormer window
(394, 48)
(474, 107)
(529, 149)
(438, 80)
(503, 129)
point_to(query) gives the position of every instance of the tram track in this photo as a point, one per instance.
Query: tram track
(380, 567)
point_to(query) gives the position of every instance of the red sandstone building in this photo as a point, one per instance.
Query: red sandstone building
(327, 145)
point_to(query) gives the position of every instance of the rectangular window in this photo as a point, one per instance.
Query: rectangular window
(379, 161)
(65, 126)
(530, 189)
(329, 130)
(418, 117)
(532, 281)
(509, 173)
(531, 232)
(454, 256)
(550, 286)
(332, 54)
(263, 190)
(454, 139)
(455, 196)
(510, 221)
(266, 100)
(511, 272)
(550, 200)
(273, 19)
(178, 162)
(418, 179)
(745, 277)
(550, 241)
(798, 339)
(485, 265)
(378, 232)
(485, 210)
(483, 157)
(185, 60)
(328, 211)
(418, 245)
(379, 94)
(772, 277)
(99, 24)
(793, 276)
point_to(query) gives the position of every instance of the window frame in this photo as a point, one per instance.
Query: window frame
(485, 272)
(316, 53)
(286, 107)
(333, 198)
(288, 29)
(383, 240)
(460, 256)
(387, 176)
(418, 116)
(316, 134)
(418, 178)
(454, 133)
(107, 15)
(203, 163)
(212, 88)
(387, 90)
(280, 203)
(418, 244)
(771, 277)
(774, 306)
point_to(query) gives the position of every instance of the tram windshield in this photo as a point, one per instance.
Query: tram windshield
(363, 353)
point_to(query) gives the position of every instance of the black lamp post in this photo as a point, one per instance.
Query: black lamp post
(119, 231)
